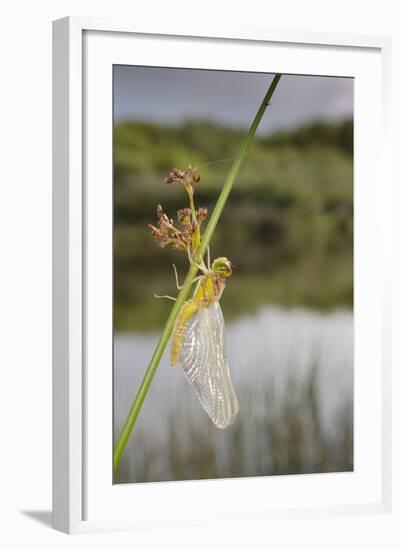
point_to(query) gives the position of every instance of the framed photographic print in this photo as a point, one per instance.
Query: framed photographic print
(220, 208)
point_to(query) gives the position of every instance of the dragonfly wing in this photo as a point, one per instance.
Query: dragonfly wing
(203, 359)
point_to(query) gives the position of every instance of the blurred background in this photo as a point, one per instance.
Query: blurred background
(287, 228)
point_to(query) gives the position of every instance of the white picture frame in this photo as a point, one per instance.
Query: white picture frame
(84, 498)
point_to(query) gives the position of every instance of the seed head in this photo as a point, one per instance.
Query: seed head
(166, 233)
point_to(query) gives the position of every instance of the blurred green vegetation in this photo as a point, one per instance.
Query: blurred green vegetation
(287, 227)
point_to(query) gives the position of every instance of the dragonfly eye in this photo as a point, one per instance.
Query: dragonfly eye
(222, 266)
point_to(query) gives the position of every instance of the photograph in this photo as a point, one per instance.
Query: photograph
(233, 279)
(201, 237)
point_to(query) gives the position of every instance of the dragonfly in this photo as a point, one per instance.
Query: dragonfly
(198, 343)
(198, 336)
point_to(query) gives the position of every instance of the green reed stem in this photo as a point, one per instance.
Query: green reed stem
(168, 328)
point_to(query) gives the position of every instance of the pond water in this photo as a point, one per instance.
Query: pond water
(293, 373)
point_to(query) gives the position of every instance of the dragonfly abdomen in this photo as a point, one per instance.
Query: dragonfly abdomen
(187, 311)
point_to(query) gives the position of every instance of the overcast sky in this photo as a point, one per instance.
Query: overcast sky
(172, 96)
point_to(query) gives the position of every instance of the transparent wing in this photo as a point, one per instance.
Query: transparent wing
(203, 359)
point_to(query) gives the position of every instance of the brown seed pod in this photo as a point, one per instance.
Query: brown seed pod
(201, 214)
(175, 175)
(184, 216)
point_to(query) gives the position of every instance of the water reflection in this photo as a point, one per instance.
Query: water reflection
(293, 373)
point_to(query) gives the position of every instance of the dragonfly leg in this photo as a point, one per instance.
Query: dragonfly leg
(180, 287)
(201, 266)
(166, 296)
(176, 278)
(208, 258)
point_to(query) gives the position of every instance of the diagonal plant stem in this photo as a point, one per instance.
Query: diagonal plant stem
(168, 328)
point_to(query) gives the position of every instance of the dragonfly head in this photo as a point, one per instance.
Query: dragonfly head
(222, 267)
